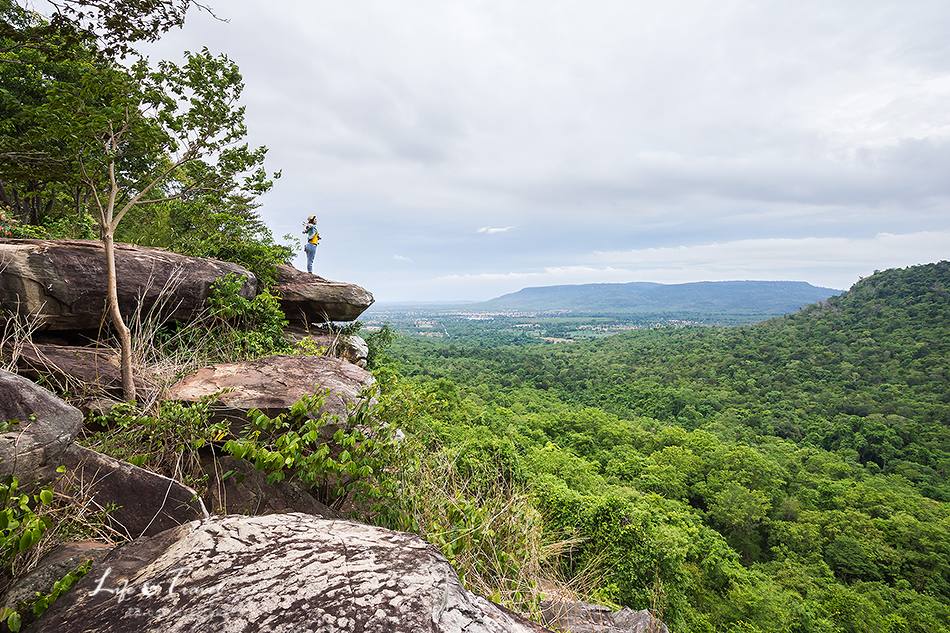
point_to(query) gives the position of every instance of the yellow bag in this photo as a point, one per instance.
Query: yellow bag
(316, 238)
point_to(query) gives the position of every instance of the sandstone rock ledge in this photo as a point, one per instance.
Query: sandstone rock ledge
(284, 573)
(42, 427)
(63, 282)
(307, 298)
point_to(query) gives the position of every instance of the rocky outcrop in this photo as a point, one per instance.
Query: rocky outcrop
(144, 503)
(63, 283)
(349, 347)
(582, 617)
(40, 440)
(40, 428)
(73, 369)
(288, 573)
(273, 384)
(307, 298)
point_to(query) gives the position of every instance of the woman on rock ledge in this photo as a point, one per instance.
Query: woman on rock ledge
(313, 238)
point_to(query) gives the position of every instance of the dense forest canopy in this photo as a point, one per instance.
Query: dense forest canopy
(786, 476)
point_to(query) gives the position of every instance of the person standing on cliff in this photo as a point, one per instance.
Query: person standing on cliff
(313, 238)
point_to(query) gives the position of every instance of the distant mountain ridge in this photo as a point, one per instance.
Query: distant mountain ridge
(731, 297)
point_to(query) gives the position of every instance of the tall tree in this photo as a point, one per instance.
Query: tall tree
(173, 132)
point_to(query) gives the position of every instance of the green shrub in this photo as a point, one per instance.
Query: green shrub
(250, 328)
(234, 328)
(337, 458)
(81, 227)
(379, 343)
(21, 528)
(167, 442)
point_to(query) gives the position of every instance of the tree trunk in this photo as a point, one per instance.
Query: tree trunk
(32, 203)
(118, 323)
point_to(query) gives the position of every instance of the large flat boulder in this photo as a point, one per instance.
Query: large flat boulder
(307, 298)
(283, 573)
(63, 282)
(273, 384)
(39, 428)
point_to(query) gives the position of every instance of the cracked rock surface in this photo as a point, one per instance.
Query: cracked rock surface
(290, 573)
(583, 617)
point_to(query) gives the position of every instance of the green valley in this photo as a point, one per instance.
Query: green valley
(784, 476)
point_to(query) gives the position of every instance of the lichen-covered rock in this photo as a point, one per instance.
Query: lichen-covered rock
(274, 383)
(308, 298)
(63, 283)
(582, 617)
(52, 567)
(41, 428)
(282, 573)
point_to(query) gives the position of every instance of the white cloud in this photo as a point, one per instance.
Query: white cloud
(595, 127)
(402, 258)
(836, 261)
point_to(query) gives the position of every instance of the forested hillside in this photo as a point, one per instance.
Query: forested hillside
(787, 476)
(704, 297)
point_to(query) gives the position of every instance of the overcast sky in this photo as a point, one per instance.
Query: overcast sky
(461, 149)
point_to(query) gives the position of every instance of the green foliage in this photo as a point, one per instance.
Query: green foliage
(39, 172)
(232, 328)
(469, 498)
(44, 601)
(789, 476)
(173, 133)
(337, 457)
(21, 528)
(248, 328)
(167, 442)
(82, 228)
(379, 343)
(228, 230)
